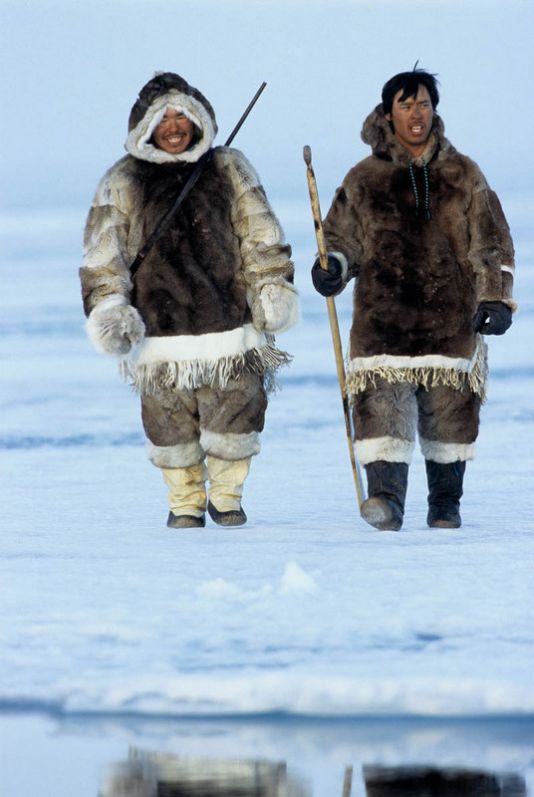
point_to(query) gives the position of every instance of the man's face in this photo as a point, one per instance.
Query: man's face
(412, 120)
(174, 133)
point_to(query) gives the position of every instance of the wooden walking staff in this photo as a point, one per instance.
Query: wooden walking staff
(334, 325)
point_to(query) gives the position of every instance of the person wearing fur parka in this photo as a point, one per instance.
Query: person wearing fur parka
(417, 227)
(193, 328)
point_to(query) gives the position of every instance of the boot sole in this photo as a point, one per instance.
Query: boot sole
(444, 524)
(378, 514)
(439, 518)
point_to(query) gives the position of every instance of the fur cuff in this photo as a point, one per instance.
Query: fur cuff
(276, 308)
(444, 453)
(230, 446)
(343, 262)
(509, 302)
(114, 326)
(181, 455)
(389, 449)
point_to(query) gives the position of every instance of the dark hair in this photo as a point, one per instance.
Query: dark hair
(408, 83)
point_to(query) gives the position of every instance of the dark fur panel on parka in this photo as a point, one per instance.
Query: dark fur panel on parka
(191, 282)
(419, 280)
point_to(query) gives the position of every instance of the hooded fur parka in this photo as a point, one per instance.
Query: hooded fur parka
(217, 284)
(426, 241)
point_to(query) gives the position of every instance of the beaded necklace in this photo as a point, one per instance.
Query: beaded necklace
(428, 214)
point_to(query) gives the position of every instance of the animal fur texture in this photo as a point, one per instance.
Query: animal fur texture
(418, 281)
(388, 415)
(182, 426)
(115, 326)
(218, 283)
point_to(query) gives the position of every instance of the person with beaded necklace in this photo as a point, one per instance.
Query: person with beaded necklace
(424, 237)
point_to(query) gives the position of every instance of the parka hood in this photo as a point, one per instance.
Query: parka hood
(376, 132)
(168, 90)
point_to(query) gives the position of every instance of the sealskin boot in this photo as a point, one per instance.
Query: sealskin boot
(187, 496)
(234, 517)
(185, 521)
(227, 478)
(445, 488)
(386, 487)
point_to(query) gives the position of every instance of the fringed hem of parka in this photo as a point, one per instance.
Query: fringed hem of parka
(464, 374)
(153, 378)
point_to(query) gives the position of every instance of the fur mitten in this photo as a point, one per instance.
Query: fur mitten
(275, 308)
(115, 326)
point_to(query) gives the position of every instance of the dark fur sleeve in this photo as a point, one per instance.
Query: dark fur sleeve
(343, 223)
(491, 251)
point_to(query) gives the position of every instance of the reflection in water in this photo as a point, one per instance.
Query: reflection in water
(165, 775)
(433, 782)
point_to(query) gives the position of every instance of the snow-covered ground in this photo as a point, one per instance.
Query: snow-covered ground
(305, 611)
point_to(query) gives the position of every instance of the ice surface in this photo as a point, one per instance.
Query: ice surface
(111, 626)
(304, 610)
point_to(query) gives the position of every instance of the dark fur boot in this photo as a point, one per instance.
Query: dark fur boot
(387, 483)
(444, 493)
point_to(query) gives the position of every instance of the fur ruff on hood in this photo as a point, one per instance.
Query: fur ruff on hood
(167, 90)
(377, 132)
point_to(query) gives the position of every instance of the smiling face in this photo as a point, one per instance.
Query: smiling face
(174, 133)
(412, 120)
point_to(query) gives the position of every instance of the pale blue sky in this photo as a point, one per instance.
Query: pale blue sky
(71, 71)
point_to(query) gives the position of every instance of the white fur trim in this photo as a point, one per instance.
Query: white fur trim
(280, 306)
(230, 446)
(445, 453)
(379, 361)
(210, 346)
(509, 269)
(138, 142)
(344, 264)
(182, 455)
(186, 362)
(389, 449)
(427, 370)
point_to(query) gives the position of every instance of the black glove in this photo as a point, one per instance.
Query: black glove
(327, 283)
(492, 318)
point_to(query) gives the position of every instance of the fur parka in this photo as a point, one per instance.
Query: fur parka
(426, 241)
(217, 284)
